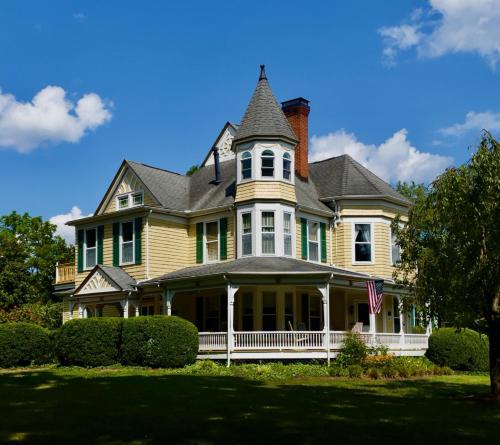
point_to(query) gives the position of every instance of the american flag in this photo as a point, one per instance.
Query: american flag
(375, 294)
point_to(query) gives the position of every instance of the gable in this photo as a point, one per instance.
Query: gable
(224, 143)
(97, 283)
(126, 181)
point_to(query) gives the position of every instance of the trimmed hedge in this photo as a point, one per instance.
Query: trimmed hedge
(23, 344)
(462, 350)
(159, 342)
(89, 342)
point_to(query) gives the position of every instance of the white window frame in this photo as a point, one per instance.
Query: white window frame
(274, 232)
(318, 237)
(273, 157)
(252, 233)
(372, 242)
(251, 165)
(85, 267)
(122, 263)
(287, 234)
(286, 157)
(205, 248)
(390, 248)
(130, 199)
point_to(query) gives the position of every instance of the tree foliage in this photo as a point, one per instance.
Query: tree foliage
(29, 250)
(411, 190)
(192, 169)
(451, 247)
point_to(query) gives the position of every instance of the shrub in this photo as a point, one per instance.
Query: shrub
(337, 370)
(89, 342)
(159, 342)
(462, 350)
(23, 344)
(353, 352)
(47, 315)
(355, 371)
(373, 373)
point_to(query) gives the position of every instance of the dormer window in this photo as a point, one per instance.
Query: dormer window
(129, 200)
(287, 166)
(246, 165)
(123, 202)
(137, 199)
(267, 159)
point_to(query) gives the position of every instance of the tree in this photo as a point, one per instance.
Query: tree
(451, 247)
(29, 251)
(411, 190)
(192, 169)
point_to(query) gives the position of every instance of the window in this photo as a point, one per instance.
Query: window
(289, 311)
(267, 163)
(246, 236)
(268, 311)
(90, 248)
(287, 234)
(247, 316)
(362, 243)
(268, 233)
(147, 309)
(212, 241)
(287, 166)
(315, 309)
(137, 199)
(246, 165)
(127, 243)
(395, 250)
(123, 202)
(313, 240)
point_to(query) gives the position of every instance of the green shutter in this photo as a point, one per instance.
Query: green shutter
(223, 238)
(100, 241)
(322, 231)
(79, 241)
(138, 240)
(116, 244)
(303, 235)
(199, 242)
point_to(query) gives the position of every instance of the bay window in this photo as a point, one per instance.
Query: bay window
(287, 234)
(395, 250)
(363, 250)
(287, 166)
(212, 241)
(267, 167)
(313, 240)
(246, 165)
(127, 242)
(246, 236)
(268, 233)
(90, 248)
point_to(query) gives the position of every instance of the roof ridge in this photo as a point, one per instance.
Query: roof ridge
(328, 159)
(156, 168)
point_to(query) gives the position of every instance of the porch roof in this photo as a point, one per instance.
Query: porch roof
(255, 266)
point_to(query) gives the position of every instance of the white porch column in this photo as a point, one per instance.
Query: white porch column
(125, 305)
(231, 292)
(137, 309)
(81, 307)
(325, 295)
(401, 321)
(428, 330)
(168, 296)
(71, 306)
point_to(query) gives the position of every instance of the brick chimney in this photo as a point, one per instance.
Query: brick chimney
(297, 112)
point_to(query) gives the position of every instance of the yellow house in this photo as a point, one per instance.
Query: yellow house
(269, 255)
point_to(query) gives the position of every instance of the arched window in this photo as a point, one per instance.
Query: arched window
(287, 166)
(246, 165)
(267, 163)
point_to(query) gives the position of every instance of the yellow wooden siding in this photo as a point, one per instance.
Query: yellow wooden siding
(265, 190)
(378, 211)
(168, 246)
(343, 247)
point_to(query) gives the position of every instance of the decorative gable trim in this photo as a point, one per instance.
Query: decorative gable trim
(97, 282)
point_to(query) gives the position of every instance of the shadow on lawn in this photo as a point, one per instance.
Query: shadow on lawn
(50, 407)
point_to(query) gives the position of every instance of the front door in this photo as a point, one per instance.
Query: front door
(363, 316)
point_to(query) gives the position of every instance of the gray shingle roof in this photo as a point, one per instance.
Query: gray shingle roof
(253, 265)
(263, 116)
(119, 276)
(343, 176)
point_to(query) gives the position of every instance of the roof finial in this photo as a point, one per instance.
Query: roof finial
(262, 72)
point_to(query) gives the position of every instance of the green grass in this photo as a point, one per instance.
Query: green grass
(136, 406)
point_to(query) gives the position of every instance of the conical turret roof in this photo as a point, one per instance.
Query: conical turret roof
(264, 117)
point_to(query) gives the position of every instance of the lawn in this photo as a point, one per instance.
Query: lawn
(136, 406)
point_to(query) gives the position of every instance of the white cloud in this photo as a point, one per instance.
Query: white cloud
(79, 16)
(49, 117)
(448, 26)
(474, 122)
(67, 232)
(393, 160)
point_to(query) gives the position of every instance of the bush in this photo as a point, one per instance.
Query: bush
(159, 342)
(89, 342)
(47, 315)
(353, 352)
(462, 350)
(355, 371)
(23, 344)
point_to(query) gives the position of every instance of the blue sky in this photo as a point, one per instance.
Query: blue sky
(403, 86)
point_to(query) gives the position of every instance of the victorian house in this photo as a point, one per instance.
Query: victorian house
(269, 255)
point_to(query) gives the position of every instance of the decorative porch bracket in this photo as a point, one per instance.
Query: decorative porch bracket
(168, 296)
(231, 292)
(125, 305)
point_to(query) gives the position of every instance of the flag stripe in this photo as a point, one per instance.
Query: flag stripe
(375, 295)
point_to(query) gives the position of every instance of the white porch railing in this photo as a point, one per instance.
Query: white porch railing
(303, 340)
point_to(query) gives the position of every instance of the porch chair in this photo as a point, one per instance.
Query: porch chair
(297, 340)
